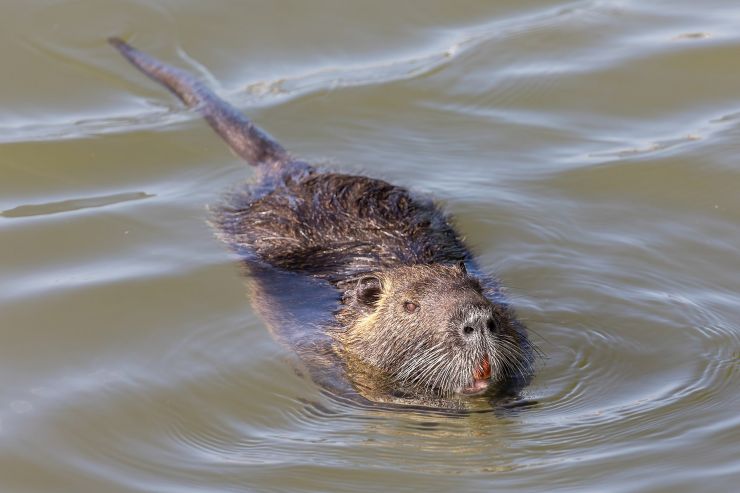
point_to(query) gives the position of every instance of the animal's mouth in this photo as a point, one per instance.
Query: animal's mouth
(481, 378)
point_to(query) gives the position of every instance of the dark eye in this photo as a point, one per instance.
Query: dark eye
(410, 307)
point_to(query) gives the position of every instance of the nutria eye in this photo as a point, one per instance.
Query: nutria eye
(410, 307)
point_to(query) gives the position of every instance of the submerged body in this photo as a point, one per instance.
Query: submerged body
(409, 318)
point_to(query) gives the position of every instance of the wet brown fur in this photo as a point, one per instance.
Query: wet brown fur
(335, 226)
(378, 244)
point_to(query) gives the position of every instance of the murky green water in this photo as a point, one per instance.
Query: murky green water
(588, 149)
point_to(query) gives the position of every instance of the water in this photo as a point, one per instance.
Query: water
(588, 150)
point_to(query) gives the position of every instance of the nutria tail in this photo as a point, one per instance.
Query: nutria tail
(242, 135)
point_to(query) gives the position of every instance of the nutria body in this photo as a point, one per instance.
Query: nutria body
(410, 318)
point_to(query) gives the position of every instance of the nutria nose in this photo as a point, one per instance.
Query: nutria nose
(479, 325)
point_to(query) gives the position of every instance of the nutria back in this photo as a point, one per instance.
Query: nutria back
(406, 315)
(336, 227)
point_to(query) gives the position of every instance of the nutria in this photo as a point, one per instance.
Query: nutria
(411, 319)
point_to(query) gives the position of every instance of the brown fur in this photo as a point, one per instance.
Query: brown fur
(383, 248)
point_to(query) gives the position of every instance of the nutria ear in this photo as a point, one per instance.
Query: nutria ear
(461, 265)
(367, 291)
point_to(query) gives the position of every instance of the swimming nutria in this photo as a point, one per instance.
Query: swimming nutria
(413, 310)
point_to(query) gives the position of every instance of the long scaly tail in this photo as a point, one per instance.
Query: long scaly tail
(247, 141)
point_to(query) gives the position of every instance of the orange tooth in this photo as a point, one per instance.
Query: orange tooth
(484, 372)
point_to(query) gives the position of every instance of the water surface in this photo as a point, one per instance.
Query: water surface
(588, 150)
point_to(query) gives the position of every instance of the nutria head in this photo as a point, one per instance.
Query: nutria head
(432, 329)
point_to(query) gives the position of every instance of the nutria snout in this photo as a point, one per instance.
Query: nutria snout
(414, 311)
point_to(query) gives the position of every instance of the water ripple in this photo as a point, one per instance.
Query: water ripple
(73, 204)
